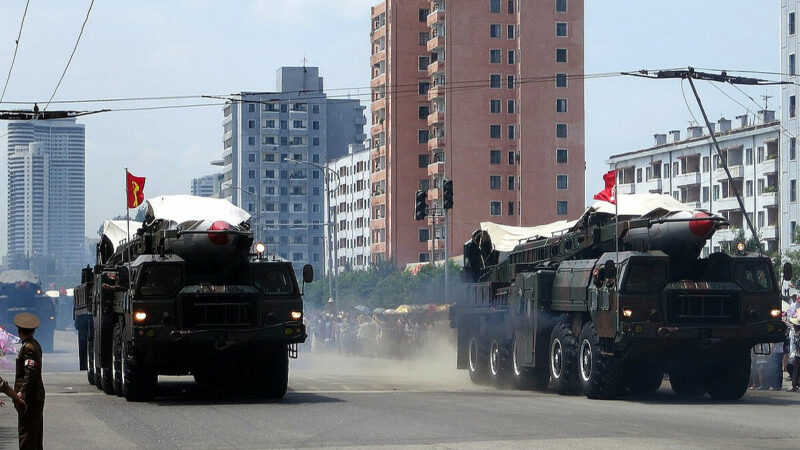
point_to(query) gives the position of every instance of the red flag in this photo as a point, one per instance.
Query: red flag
(609, 194)
(135, 190)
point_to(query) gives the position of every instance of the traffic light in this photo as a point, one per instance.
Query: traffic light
(447, 188)
(420, 205)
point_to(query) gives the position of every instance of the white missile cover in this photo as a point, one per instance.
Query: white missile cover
(184, 208)
(16, 275)
(117, 231)
(505, 237)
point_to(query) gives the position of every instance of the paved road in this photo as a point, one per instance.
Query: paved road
(350, 401)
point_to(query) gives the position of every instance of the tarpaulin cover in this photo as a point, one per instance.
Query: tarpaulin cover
(183, 208)
(15, 276)
(117, 231)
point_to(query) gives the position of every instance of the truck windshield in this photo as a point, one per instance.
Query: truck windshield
(753, 276)
(160, 279)
(272, 279)
(645, 276)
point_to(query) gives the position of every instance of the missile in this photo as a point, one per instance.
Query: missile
(206, 252)
(680, 234)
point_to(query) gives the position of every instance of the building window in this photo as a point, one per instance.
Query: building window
(716, 192)
(791, 64)
(561, 105)
(511, 31)
(424, 257)
(748, 156)
(422, 136)
(561, 182)
(512, 132)
(791, 23)
(511, 158)
(561, 5)
(494, 156)
(251, 140)
(748, 188)
(561, 156)
(639, 175)
(495, 106)
(705, 164)
(510, 81)
(561, 29)
(424, 38)
(423, 15)
(423, 161)
(792, 149)
(511, 6)
(424, 184)
(561, 80)
(495, 208)
(511, 107)
(315, 109)
(424, 234)
(494, 81)
(561, 130)
(494, 6)
(705, 193)
(423, 87)
(424, 112)
(423, 62)
(494, 56)
(511, 56)
(251, 107)
(494, 131)
(494, 182)
(495, 30)
(315, 125)
(792, 191)
(251, 174)
(251, 124)
(561, 55)
(284, 125)
(561, 208)
(315, 142)
(510, 208)
(792, 105)
(793, 232)
(251, 157)
(511, 184)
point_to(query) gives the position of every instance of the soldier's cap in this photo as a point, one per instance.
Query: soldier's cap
(27, 321)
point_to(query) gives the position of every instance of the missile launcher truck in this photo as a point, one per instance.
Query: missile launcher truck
(184, 293)
(602, 305)
(21, 291)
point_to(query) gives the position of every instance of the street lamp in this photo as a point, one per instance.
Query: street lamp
(257, 234)
(333, 266)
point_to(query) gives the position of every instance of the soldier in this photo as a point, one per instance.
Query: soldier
(29, 384)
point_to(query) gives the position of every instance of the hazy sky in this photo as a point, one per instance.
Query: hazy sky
(160, 48)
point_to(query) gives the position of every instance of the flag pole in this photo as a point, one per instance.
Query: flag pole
(616, 213)
(127, 219)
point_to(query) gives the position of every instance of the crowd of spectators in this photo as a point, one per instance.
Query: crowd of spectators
(772, 362)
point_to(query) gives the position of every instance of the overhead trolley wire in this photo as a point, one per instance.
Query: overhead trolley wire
(77, 41)
(16, 47)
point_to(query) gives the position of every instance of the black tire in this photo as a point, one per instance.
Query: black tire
(526, 378)
(687, 383)
(477, 362)
(730, 380)
(498, 363)
(563, 359)
(601, 376)
(274, 371)
(90, 375)
(107, 377)
(645, 380)
(116, 359)
(138, 383)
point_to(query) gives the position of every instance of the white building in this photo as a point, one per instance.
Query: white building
(46, 195)
(789, 95)
(689, 170)
(207, 185)
(351, 204)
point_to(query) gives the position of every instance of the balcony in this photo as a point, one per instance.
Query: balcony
(686, 178)
(379, 103)
(435, 43)
(377, 57)
(769, 232)
(439, 244)
(436, 17)
(770, 166)
(435, 67)
(737, 171)
(769, 199)
(378, 151)
(435, 118)
(435, 142)
(433, 194)
(436, 92)
(623, 189)
(378, 80)
(726, 234)
(436, 168)
(726, 204)
(653, 184)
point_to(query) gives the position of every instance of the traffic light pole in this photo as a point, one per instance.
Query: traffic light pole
(446, 254)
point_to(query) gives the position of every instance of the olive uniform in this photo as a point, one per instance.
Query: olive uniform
(29, 385)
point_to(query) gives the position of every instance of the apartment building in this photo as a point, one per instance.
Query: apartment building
(350, 200)
(488, 93)
(207, 185)
(790, 170)
(689, 170)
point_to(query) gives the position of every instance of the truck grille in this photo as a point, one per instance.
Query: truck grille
(702, 309)
(219, 311)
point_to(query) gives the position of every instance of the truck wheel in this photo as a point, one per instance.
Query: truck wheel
(274, 370)
(600, 375)
(563, 359)
(730, 381)
(477, 362)
(645, 380)
(138, 383)
(90, 375)
(116, 359)
(686, 383)
(107, 375)
(525, 378)
(498, 365)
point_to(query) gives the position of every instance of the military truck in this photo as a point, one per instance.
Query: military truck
(188, 292)
(613, 301)
(21, 291)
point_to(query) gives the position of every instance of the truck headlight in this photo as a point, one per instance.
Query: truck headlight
(775, 313)
(296, 315)
(627, 312)
(139, 316)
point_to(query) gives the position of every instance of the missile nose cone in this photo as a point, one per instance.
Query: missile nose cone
(701, 228)
(219, 239)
